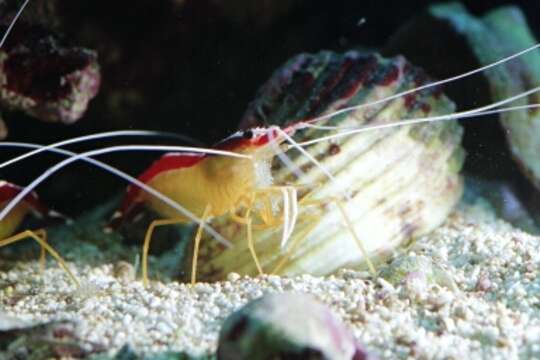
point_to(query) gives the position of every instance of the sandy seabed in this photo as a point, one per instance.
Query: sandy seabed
(487, 305)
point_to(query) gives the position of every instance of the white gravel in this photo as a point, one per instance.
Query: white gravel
(486, 304)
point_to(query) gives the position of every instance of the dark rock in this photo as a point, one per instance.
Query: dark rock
(56, 339)
(45, 79)
(287, 326)
(449, 30)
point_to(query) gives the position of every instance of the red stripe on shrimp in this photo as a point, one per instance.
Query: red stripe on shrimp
(169, 161)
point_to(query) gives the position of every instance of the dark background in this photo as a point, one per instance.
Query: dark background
(192, 67)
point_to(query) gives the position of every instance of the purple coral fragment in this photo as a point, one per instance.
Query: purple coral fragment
(45, 79)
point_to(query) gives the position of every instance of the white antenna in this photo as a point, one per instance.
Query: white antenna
(13, 23)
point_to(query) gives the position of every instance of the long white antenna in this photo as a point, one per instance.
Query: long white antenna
(102, 135)
(106, 167)
(481, 111)
(13, 23)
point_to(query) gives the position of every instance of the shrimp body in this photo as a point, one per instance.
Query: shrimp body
(12, 222)
(200, 181)
(219, 182)
(30, 204)
(210, 186)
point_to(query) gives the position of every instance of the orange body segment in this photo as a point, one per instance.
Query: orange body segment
(196, 181)
(220, 182)
(11, 222)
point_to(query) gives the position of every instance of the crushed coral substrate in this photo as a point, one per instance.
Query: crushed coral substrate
(493, 311)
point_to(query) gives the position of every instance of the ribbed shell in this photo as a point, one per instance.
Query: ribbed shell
(402, 181)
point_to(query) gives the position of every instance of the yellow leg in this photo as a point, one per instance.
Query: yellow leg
(30, 234)
(306, 201)
(237, 218)
(356, 238)
(196, 245)
(267, 214)
(252, 248)
(244, 221)
(249, 226)
(42, 254)
(148, 238)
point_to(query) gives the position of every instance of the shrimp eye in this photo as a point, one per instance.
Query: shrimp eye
(248, 134)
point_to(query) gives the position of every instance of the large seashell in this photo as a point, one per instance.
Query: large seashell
(403, 181)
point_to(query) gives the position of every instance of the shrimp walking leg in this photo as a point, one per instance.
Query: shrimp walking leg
(42, 253)
(267, 216)
(289, 211)
(249, 228)
(247, 220)
(148, 239)
(350, 226)
(197, 243)
(38, 237)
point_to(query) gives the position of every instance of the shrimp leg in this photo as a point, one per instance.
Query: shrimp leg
(267, 216)
(197, 243)
(248, 221)
(42, 253)
(163, 222)
(148, 239)
(349, 224)
(250, 243)
(36, 236)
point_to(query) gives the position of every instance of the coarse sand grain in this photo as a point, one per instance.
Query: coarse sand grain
(488, 307)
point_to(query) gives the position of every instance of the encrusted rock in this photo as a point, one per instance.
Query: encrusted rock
(452, 32)
(21, 339)
(287, 326)
(417, 274)
(44, 78)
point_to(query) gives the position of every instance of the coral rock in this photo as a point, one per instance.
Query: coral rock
(450, 29)
(45, 79)
(286, 326)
